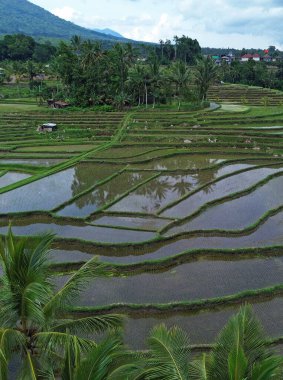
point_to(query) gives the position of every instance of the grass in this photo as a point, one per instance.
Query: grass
(121, 138)
(14, 107)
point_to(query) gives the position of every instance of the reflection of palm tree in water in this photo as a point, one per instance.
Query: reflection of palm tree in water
(105, 193)
(156, 188)
(207, 175)
(181, 187)
(156, 191)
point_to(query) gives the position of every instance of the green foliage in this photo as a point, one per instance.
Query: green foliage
(19, 47)
(32, 314)
(206, 73)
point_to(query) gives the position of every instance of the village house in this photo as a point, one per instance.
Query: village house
(47, 127)
(250, 57)
(57, 103)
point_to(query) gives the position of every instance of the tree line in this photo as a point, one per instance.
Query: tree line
(19, 47)
(253, 73)
(87, 74)
(121, 76)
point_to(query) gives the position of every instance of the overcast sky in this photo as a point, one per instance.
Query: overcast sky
(214, 23)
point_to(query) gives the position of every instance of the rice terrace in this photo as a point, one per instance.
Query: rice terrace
(186, 207)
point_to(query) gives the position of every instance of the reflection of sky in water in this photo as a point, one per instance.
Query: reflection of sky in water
(167, 188)
(40, 162)
(43, 194)
(86, 232)
(134, 222)
(220, 189)
(238, 213)
(103, 194)
(268, 234)
(181, 161)
(51, 191)
(156, 193)
(12, 177)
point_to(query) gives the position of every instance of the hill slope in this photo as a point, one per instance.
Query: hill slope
(109, 32)
(21, 16)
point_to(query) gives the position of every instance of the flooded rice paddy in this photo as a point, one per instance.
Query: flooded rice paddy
(141, 205)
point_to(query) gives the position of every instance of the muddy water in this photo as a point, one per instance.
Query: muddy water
(238, 213)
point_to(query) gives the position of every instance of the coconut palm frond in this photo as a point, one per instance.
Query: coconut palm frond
(3, 365)
(269, 368)
(40, 255)
(30, 368)
(10, 341)
(72, 360)
(134, 370)
(199, 369)
(90, 324)
(52, 341)
(102, 359)
(25, 288)
(169, 349)
(75, 284)
(24, 257)
(34, 297)
(8, 307)
(237, 363)
(242, 332)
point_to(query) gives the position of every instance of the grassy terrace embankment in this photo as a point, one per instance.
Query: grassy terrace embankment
(135, 188)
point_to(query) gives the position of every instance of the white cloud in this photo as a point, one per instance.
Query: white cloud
(67, 13)
(215, 23)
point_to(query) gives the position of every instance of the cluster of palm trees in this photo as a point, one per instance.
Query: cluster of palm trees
(119, 76)
(40, 339)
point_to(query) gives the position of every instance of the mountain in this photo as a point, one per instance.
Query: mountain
(21, 16)
(109, 32)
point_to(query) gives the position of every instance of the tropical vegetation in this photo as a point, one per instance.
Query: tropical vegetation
(40, 338)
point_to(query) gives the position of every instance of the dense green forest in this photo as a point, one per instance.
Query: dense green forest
(86, 73)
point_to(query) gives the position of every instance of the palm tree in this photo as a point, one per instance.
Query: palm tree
(169, 359)
(108, 360)
(206, 72)
(180, 75)
(35, 323)
(240, 353)
(91, 52)
(155, 77)
(18, 70)
(76, 43)
(135, 81)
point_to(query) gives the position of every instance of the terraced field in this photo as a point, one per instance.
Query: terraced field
(186, 208)
(246, 95)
